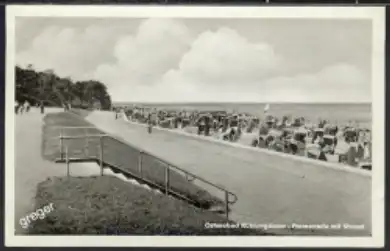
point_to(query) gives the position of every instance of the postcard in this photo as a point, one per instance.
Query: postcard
(195, 126)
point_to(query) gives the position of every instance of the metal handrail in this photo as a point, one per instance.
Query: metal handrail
(156, 185)
(194, 177)
(169, 165)
(73, 127)
(82, 136)
(175, 167)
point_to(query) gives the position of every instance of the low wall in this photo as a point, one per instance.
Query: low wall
(303, 160)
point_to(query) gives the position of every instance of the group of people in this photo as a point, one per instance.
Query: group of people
(21, 107)
(284, 134)
(206, 123)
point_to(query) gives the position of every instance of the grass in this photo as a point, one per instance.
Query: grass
(117, 154)
(109, 206)
(81, 112)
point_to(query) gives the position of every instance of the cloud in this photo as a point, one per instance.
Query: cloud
(338, 83)
(214, 59)
(69, 51)
(224, 56)
(224, 66)
(165, 60)
(142, 59)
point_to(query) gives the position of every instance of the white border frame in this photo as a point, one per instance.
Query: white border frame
(376, 14)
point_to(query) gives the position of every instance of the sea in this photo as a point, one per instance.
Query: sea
(340, 113)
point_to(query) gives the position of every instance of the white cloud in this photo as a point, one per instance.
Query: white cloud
(225, 56)
(69, 51)
(212, 61)
(164, 60)
(142, 59)
(340, 82)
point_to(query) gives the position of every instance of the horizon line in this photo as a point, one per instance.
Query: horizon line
(242, 102)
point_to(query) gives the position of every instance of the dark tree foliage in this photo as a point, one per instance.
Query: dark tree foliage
(147, 2)
(46, 86)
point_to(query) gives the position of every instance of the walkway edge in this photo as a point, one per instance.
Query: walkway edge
(334, 166)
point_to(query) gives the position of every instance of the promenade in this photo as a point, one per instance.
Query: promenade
(30, 168)
(270, 188)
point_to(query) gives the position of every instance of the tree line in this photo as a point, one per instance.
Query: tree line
(36, 87)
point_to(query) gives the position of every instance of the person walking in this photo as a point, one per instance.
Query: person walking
(26, 106)
(42, 107)
(207, 125)
(21, 108)
(150, 124)
(16, 107)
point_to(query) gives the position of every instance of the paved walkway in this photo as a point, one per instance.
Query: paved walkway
(270, 189)
(30, 167)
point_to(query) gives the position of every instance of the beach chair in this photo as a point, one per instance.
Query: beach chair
(287, 148)
(351, 156)
(301, 148)
(278, 146)
(359, 152)
(255, 142)
(312, 151)
(312, 155)
(365, 164)
(342, 158)
(261, 142)
(250, 127)
(185, 122)
(322, 156)
(329, 142)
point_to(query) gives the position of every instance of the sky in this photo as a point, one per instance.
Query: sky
(205, 60)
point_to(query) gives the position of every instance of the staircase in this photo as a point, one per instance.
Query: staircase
(91, 142)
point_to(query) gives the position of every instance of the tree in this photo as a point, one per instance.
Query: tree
(47, 86)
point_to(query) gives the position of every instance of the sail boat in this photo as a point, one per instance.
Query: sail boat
(266, 108)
